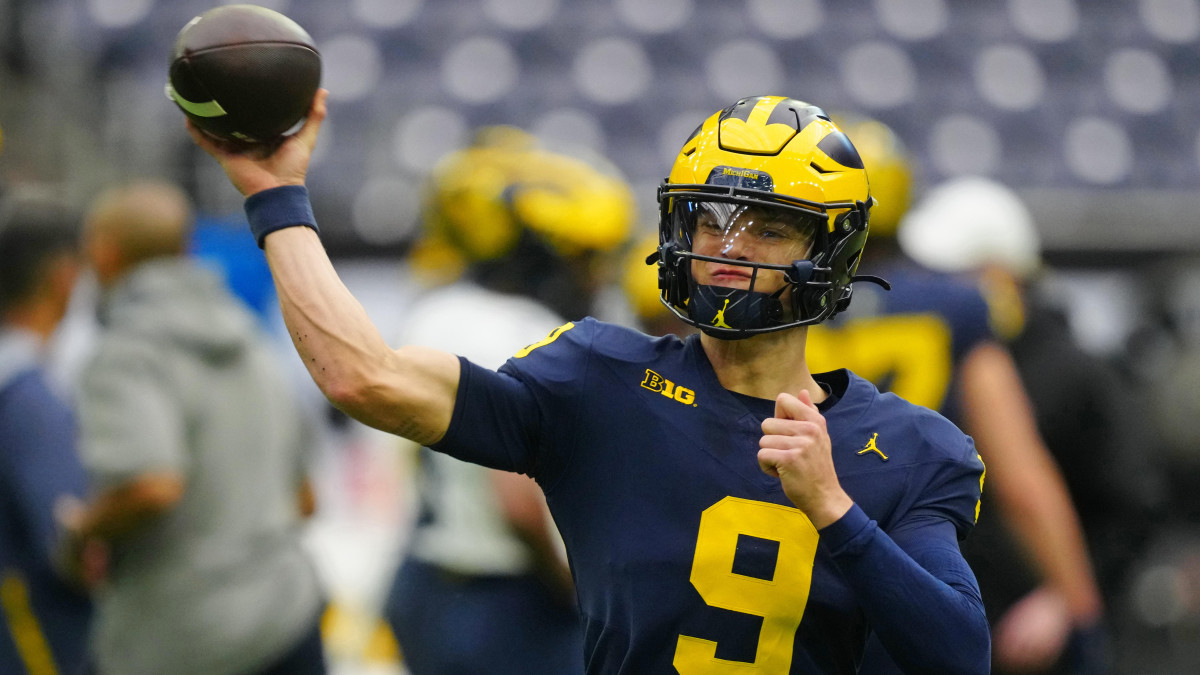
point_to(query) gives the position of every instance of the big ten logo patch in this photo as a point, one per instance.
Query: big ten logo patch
(656, 382)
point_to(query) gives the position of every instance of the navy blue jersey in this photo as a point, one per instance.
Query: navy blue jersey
(685, 554)
(909, 340)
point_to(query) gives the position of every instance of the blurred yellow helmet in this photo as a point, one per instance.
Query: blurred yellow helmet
(482, 199)
(889, 169)
(639, 281)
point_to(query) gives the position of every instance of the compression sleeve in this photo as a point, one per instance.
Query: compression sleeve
(916, 590)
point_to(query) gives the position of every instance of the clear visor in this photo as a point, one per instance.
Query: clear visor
(757, 233)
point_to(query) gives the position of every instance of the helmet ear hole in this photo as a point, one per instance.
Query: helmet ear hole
(852, 220)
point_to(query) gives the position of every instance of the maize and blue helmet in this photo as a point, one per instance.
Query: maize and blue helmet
(761, 162)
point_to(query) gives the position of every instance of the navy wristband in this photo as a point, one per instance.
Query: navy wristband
(277, 208)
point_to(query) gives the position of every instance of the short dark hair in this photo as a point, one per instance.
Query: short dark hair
(33, 231)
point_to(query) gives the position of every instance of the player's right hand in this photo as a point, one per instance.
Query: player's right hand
(261, 168)
(795, 447)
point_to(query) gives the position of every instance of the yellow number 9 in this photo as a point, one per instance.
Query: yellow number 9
(780, 601)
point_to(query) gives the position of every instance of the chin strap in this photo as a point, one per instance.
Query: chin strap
(871, 278)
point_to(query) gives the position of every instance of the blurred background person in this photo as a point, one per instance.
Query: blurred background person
(484, 585)
(1083, 404)
(196, 454)
(930, 340)
(45, 617)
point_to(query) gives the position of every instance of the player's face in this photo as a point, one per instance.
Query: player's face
(748, 234)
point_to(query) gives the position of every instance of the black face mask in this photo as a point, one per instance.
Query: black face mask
(726, 313)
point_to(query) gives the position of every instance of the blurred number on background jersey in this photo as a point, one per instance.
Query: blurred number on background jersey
(780, 600)
(906, 354)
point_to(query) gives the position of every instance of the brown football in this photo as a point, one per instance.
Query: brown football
(244, 72)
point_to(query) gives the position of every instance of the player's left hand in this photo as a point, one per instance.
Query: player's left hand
(795, 447)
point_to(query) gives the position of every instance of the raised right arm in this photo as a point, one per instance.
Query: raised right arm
(408, 391)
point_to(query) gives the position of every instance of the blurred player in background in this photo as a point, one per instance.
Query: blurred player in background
(485, 585)
(45, 619)
(930, 340)
(1081, 401)
(196, 453)
(722, 508)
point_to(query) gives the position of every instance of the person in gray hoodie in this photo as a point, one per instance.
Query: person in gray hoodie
(196, 460)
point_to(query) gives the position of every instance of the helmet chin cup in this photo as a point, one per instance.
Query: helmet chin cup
(733, 313)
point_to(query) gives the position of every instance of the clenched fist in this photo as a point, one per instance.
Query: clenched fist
(795, 448)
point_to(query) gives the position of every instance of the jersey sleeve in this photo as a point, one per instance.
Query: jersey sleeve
(917, 592)
(952, 489)
(521, 418)
(949, 489)
(914, 585)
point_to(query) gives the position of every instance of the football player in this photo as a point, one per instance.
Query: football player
(723, 509)
(931, 340)
(483, 587)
